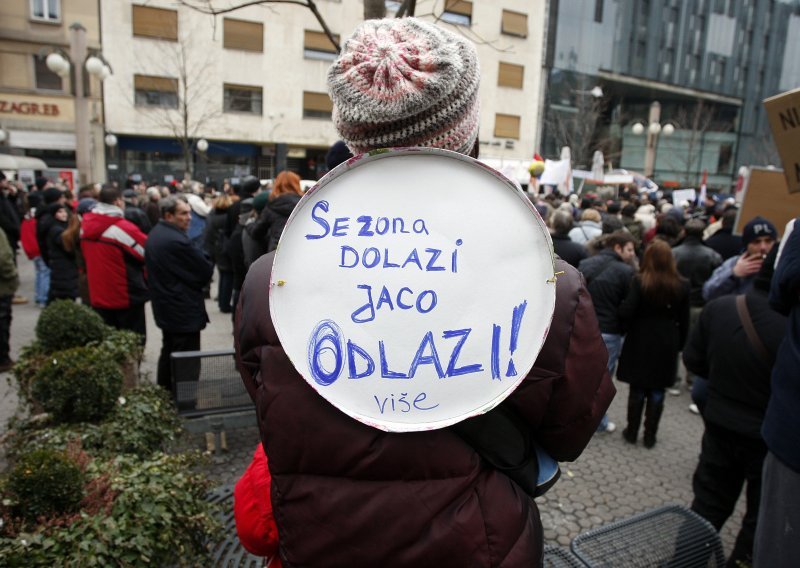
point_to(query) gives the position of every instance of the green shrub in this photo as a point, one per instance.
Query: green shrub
(143, 423)
(31, 358)
(78, 385)
(65, 324)
(45, 483)
(158, 516)
(121, 345)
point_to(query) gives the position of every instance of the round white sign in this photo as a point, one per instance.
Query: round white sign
(413, 288)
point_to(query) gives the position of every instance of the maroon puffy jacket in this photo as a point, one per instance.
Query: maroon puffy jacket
(346, 494)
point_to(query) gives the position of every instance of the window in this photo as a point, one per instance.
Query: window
(317, 45)
(154, 91)
(46, 79)
(155, 22)
(246, 36)
(506, 126)
(725, 159)
(242, 98)
(510, 75)
(515, 24)
(457, 12)
(46, 10)
(598, 11)
(317, 105)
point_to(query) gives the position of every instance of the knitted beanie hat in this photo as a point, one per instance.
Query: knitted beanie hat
(405, 82)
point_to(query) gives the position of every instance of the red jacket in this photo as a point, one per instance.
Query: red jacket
(113, 250)
(27, 235)
(346, 494)
(252, 509)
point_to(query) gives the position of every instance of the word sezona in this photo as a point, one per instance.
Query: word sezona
(345, 357)
(365, 225)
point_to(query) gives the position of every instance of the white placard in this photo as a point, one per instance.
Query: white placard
(681, 195)
(414, 288)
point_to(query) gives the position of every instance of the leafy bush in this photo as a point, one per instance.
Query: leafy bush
(65, 324)
(150, 512)
(78, 385)
(143, 422)
(45, 482)
(121, 345)
(31, 358)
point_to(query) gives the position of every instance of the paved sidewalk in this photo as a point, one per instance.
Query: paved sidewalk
(610, 481)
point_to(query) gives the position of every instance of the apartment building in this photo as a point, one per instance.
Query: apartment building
(37, 106)
(252, 83)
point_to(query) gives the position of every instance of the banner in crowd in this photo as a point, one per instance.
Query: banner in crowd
(413, 288)
(765, 193)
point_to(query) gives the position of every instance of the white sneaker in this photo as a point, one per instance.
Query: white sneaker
(693, 409)
(674, 392)
(610, 427)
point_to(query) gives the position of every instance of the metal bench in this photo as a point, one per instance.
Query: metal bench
(228, 553)
(209, 393)
(670, 536)
(558, 557)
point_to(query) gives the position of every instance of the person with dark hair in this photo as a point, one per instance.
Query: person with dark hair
(735, 275)
(133, 212)
(247, 189)
(337, 153)
(735, 345)
(632, 224)
(561, 224)
(696, 262)
(215, 246)
(608, 277)
(365, 481)
(113, 250)
(177, 271)
(53, 198)
(656, 313)
(723, 240)
(63, 267)
(9, 282)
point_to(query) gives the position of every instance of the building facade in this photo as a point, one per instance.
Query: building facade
(253, 84)
(37, 106)
(709, 63)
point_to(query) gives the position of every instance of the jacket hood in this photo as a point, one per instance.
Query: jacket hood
(285, 204)
(94, 224)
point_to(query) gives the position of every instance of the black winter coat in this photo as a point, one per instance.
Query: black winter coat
(63, 266)
(739, 381)
(569, 250)
(215, 239)
(608, 279)
(272, 220)
(725, 243)
(696, 262)
(656, 334)
(177, 273)
(45, 220)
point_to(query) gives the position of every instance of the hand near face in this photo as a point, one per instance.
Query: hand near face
(747, 265)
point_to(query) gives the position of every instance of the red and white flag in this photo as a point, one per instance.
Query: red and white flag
(702, 199)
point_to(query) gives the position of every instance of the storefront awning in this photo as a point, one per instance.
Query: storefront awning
(9, 162)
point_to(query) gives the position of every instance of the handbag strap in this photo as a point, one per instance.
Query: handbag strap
(750, 330)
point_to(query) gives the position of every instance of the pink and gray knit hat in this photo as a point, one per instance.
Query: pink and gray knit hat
(405, 82)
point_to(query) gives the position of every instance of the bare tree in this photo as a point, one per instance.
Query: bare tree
(695, 121)
(761, 147)
(193, 107)
(577, 127)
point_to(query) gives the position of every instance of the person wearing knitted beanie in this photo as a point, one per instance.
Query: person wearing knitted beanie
(406, 82)
(344, 493)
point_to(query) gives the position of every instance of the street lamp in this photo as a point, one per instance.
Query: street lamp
(202, 145)
(654, 129)
(76, 61)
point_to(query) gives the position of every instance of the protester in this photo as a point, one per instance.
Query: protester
(177, 271)
(589, 227)
(723, 240)
(561, 224)
(134, 213)
(656, 314)
(9, 282)
(30, 244)
(253, 248)
(735, 347)
(53, 198)
(113, 250)
(215, 245)
(735, 275)
(365, 481)
(63, 267)
(283, 198)
(776, 542)
(608, 277)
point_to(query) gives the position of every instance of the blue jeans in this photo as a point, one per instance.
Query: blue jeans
(613, 343)
(42, 280)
